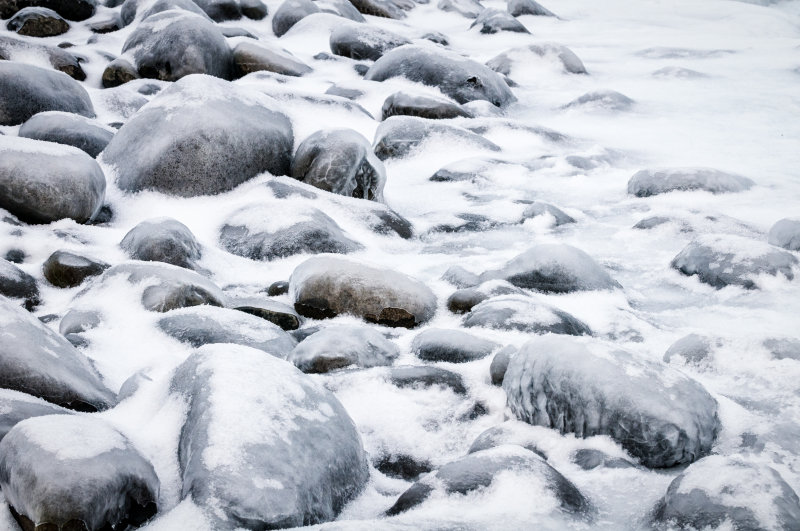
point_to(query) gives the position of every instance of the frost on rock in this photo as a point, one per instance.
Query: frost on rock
(37, 361)
(45, 87)
(64, 269)
(268, 309)
(360, 41)
(71, 129)
(343, 346)
(426, 376)
(645, 183)
(786, 233)
(494, 21)
(556, 268)
(730, 491)
(725, 260)
(398, 136)
(162, 240)
(264, 446)
(289, 13)
(691, 349)
(16, 407)
(75, 472)
(507, 62)
(200, 136)
(422, 106)
(656, 413)
(17, 284)
(465, 299)
(526, 314)
(249, 57)
(539, 208)
(326, 286)
(527, 7)
(455, 346)
(608, 100)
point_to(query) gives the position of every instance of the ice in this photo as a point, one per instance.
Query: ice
(336, 347)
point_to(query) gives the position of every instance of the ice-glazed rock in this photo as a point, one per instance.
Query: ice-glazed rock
(722, 490)
(203, 325)
(495, 21)
(479, 469)
(382, 8)
(17, 284)
(526, 314)
(645, 183)
(70, 129)
(38, 22)
(539, 208)
(783, 348)
(326, 286)
(221, 10)
(360, 41)
(69, 9)
(76, 321)
(607, 100)
(75, 472)
(26, 90)
(250, 57)
(270, 310)
(589, 459)
(176, 43)
(521, 57)
(270, 231)
(656, 413)
(146, 8)
(509, 432)
(25, 51)
(401, 466)
(786, 233)
(422, 106)
(733, 261)
(340, 161)
(200, 136)
(554, 268)
(343, 346)
(41, 182)
(37, 361)
(290, 13)
(426, 376)
(399, 136)
(167, 287)
(64, 269)
(343, 8)
(16, 407)
(162, 240)
(692, 349)
(458, 77)
(264, 446)
(499, 365)
(454, 346)
(463, 300)
(527, 7)
(467, 8)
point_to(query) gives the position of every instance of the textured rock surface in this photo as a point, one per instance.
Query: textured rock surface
(399, 136)
(70, 129)
(67, 270)
(526, 314)
(343, 346)
(162, 240)
(16, 407)
(645, 183)
(17, 284)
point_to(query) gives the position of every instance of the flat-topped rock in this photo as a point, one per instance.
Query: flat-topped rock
(645, 183)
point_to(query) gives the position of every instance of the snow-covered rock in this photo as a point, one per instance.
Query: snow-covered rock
(645, 183)
(786, 233)
(64, 269)
(162, 240)
(337, 347)
(455, 346)
(526, 314)
(16, 407)
(422, 106)
(68, 128)
(398, 136)
(17, 284)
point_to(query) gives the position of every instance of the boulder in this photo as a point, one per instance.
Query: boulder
(264, 446)
(289, 13)
(41, 182)
(342, 8)
(68, 128)
(37, 361)
(382, 8)
(77, 321)
(603, 100)
(589, 459)
(457, 77)
(249, 57)
(43, 88)
(427, 376)
(399, 136)
(337, 347)
(26, 90)
(523, 56)
(499, 366)
(118, 72)
(402, 466)
(526, 314)
(509, 432)
(494, 21)
(645, 183)
(16, 407)
(340, 161)
(70, 9)
(540, 208)
(656, 413)
(517, 8)
(467, 8)
(463, 300)
(691, 349)
(162, 240)
(241, 134)
(730, 491)
(17, 284)
(279, 287)
(326, 286)
(146, 8)
(37, 22)
(454, 346)
(270, 310)
(222, 10)
(64, 269)
(271, 231)
(75, 472)
(431, 107)
(722, 261)
(360, 41)
(786, 233)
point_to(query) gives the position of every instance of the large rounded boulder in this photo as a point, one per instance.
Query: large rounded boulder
(70, 9)
(70, 129)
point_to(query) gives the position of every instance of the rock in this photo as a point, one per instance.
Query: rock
(26, 90)
(280, 287)
(654, 412)
(466, 223)
(651, 222)
(342, 8)
(37, 361)
(231, 32)
(494, 21)
(268, 232)
(264, 446)
(691, 349)
(108, 25)
(380, 8)
(589, 459)
(677, 72)
(783, 348)
(64, 269)
(37, 22)
(15, 256)
(24, 51)
(499, 366)
(539, 208)
(645, 183)
(424, 375)
(479, 469)
(222, 10)
(75, 472)
(359, 41)
(786, 233)
(518, 8)
(249, 57)
(326, 286)
(722, 261)
(70, 129)
(467, 8)
(241, 133)
(17, 284)
(162, 240)
(77, 321)
(203, 325)
(16, 407)
(77, 10)
(343, 346)
(253, 9)
(340, 161)
(459, 78)
(463, 300)
(118, 72)
(405, 104)
(721, 490)
(454, 346)
(509, 432)
(146, 8)
(402, 467)
(275, 312)
(176, 43)
(290, 13)
(41, 182)
(526, 314)
(523, 56)
(460, 277)
(399, 136)
(344, 92)
(607, 100)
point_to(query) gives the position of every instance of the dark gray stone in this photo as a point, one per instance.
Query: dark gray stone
(510, 432)
(589, 459)
(77, 321)
(70, 129)
(70, 9)
(645, 183)
(131, 8)
(15, 256)
(405, 104)
(118, 72)
(527, 7)
(463, 300)
(280, 287)
(526, 314)
(786, 233)
(499, 366)
(250, 57)
(454, 346)
(275, 312)
(64, 269)
(162, 240)
(467, 8)
(609, 100)
(289, 13)
(382, 8)
(16, 407)
(426, 376)
(402, 466)
(693, 349)
(337, 347)
(342, 8)
(494, 21)
(17, 284)
(37, 22)
(360, 41)
(61, 60)
(539, 208)
(399, 136)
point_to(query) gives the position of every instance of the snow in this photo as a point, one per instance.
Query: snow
(70, 437)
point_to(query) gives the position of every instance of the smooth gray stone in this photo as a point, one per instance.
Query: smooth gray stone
(289, 13)
(337, 347)
(467, 8)
(464, 299)
(16, 407)
(70, 129)
(37, 22)
(421, 106)
(539, 208)
(454, 346)
(645, 183)
(382, 8)
(494, 21)
(162, 240)
(520, 57)
(270, 310)
(693, 348)
(509, 432)
(527, 7)
(131, 8)
(17, 284)
(609, 100)
(59, 59)
(70, 9)
(499, 366)
(249, 57)
(426, 376)
(77, 321)
(589, 459)
(399, 136)
(526, 314)
(786, 233)
(67, 270)
(360, 41)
